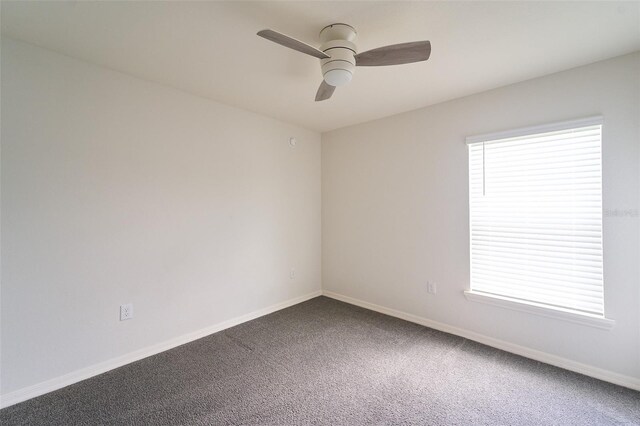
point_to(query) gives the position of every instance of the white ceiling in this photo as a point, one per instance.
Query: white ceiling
(210, 48)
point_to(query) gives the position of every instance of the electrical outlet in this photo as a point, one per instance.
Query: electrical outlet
(292, 273)
(432, 288)
(126, 311)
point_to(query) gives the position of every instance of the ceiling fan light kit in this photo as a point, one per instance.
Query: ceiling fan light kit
(339, 56)
(337, 41)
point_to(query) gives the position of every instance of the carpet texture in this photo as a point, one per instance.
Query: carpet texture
(329, 363)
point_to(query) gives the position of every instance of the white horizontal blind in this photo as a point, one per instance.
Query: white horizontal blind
(536, 218)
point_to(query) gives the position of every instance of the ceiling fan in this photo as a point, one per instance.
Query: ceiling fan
(339, 57)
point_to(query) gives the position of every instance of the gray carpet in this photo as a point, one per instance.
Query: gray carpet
(325, 362)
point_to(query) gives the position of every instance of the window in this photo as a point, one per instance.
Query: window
(535, 202)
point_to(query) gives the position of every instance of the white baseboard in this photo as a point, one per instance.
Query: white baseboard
(567, 364)
(47, 386)
(102, 367)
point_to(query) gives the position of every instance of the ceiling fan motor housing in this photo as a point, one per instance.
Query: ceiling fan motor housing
(337, 42)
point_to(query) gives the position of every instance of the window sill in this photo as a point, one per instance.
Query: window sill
(542, 310)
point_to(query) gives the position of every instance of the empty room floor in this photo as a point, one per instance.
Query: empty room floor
(327, 362)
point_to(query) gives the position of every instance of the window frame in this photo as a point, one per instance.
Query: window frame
(541, 309)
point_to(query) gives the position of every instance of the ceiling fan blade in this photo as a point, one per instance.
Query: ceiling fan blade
(395, 54)
(292, 43)
(324, 91)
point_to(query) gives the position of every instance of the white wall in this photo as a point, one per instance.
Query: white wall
(395, 210)
(118, 190)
